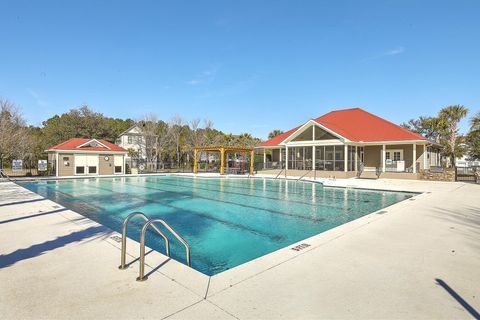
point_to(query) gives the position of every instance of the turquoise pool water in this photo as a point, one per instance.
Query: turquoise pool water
(226, 222)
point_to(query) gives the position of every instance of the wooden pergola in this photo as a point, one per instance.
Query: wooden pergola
(223, 150)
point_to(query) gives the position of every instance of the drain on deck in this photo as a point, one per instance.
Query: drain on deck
(301, 246)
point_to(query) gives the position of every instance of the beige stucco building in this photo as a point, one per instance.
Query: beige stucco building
(348, 143)
(87, 157)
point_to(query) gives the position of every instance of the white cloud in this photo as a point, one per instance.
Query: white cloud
(38, 99)
(388, 53)
(207, 76)
(394, 52)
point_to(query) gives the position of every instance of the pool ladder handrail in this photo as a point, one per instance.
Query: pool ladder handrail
(4, 175)
(305, 174)
(279, 173)
(149, 222)
(124, 237)
(141, 276)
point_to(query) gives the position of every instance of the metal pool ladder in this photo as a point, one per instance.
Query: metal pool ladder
(149, 222)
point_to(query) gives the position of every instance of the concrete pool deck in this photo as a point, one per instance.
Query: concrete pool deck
(419, 259)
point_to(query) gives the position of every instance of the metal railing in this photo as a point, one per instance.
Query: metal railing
(4, 175)
(124, 237)
(305, 174)
(141, 276)
(149, 222)
(278, 175)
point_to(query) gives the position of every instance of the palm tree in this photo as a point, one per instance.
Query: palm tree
(473, 137)
(475, 122)
(448, 119)
(274, 133)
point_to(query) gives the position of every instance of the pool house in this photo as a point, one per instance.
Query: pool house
(348, 143)
(86, 157)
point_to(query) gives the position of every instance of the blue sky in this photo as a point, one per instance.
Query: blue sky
(249, 66)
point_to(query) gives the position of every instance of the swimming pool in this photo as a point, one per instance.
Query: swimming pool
(226, 222)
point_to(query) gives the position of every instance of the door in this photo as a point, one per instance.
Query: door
(118, 164)
(92, 164)
(86, 164)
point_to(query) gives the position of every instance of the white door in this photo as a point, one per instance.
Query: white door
(80, 164)
(92, 164)
(117, 164)
(86, 164)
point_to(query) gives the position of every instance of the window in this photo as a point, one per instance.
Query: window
(92, 170)
(387, 155)
(118, 169)
(129, 139)
(397, 156)
(80, 170)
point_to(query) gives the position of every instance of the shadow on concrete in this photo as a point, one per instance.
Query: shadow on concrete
(158, 267)
(128, 264)
(21, 202)
(35, 250)
(464, 220)
(33, 216)
(459, 299)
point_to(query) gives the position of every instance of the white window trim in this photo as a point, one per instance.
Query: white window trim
(392, 151)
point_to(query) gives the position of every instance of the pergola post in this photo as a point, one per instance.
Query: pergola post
(222, 161)
(195, 168)
(252, 159)
(414, 158)
(383, 157)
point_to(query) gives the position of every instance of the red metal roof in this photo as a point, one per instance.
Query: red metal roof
(75, 143)
(356, 125)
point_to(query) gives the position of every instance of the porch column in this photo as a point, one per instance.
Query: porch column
(356, 158)
(264, 158)
(424, 157)
(313, 157)
(286, 158)
(57, 164)
(345, 158)
(384, 147)
(414, 158)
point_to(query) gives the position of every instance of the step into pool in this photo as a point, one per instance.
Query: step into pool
(226, 221)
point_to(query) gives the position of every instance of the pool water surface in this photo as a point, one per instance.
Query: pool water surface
(226, 221)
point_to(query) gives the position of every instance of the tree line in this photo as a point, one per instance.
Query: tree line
(171, 140)
(444, 130)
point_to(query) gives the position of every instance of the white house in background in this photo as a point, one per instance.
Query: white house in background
(133, 138)
(465, 162)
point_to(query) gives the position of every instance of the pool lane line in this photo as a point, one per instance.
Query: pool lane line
(252, 196)
(193, 196)
(350, 199)
(295, 186)
(274, 238)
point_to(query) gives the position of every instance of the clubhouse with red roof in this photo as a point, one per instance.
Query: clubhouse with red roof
(83, 157)
(348, 143)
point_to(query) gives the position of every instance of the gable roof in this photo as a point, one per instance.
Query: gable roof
(130, 129)
(355, 125)
(76, 145)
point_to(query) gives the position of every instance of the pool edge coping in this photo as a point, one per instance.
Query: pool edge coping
(237, 274)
